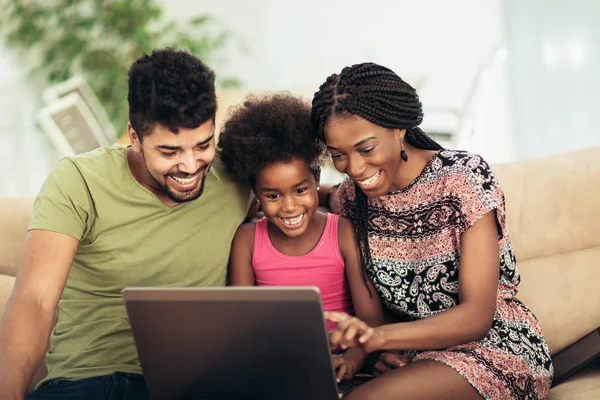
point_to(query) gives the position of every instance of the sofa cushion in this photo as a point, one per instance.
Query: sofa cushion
(576, 357)
(562, 291)
(583, 386)
(6, 286)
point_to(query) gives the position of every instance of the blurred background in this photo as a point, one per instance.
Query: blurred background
(508, 79)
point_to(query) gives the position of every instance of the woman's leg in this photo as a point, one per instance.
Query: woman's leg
(419, 380)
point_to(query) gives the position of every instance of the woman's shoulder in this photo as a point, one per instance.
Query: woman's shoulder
(461, 166)
(460, 161)
(469, 176)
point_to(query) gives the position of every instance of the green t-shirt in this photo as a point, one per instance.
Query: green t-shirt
(128, 237)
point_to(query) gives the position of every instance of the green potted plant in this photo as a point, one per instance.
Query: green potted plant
(99, 39)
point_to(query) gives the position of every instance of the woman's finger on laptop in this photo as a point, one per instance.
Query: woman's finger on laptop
(337, 335)
(335, 316)
(347, 332)
(350, 333)
(365, 334)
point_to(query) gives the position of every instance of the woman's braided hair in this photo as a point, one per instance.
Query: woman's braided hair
(377, 94)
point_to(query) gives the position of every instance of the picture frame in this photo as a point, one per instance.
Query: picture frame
(77, 84)
(71, 126)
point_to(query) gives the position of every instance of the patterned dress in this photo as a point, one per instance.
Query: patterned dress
(414, 237)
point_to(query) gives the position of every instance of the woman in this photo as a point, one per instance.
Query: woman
(431, 228)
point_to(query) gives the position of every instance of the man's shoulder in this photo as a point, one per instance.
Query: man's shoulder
(77, 187)
(102, 159)
(218, 170)
(226, 185)
(102, 163)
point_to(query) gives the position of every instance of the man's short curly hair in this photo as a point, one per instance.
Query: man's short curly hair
(263, 130)
(170, 88)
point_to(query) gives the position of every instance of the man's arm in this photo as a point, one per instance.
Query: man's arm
(29, 317)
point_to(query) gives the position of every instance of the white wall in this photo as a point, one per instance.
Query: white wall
(438, 46)
(486, 126)
(26, 156)
(554, 64)
(298, 43)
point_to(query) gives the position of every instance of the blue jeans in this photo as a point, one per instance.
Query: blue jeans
(118, 386)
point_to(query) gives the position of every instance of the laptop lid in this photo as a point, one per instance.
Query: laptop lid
(232, 343)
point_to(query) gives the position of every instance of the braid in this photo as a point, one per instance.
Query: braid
(323, 104)
(419, 139)
(361, 222)
(378, 95)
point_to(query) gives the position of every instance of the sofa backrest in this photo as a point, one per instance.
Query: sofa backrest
(14, 217)
(551, 211)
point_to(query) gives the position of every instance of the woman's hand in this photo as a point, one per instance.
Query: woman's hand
(352, 332)
(391, 360)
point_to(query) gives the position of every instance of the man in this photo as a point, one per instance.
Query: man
(151, 214)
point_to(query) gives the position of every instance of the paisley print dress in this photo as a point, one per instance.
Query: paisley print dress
(414, 237)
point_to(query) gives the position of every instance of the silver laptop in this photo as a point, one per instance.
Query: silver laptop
(232, 343)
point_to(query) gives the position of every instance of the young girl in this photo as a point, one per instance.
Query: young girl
(270, 143)
(434, 241)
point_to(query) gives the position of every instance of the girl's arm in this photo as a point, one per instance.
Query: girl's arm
(469, 321)
(367, 307)
(240, 259)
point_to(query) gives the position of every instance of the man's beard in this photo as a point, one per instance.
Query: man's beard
(180, 197)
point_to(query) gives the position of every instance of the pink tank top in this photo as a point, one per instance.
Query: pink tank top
(322, 267)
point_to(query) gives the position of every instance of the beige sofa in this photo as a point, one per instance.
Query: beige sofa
(552, 204)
